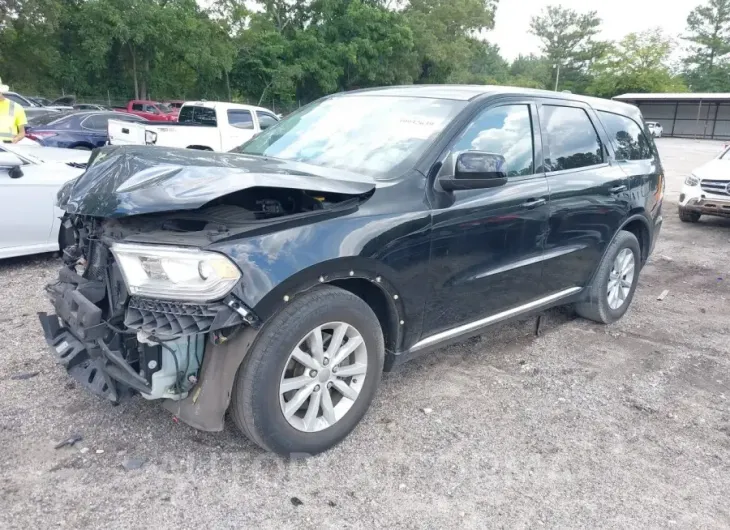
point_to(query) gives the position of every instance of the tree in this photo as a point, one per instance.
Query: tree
(568, 43)
(638, 63)
(442, 32)
(708, 29)
(531, 71)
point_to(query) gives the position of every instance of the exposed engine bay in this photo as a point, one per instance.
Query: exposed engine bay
(117, 342)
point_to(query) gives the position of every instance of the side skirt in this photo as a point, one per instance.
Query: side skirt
(465, 331)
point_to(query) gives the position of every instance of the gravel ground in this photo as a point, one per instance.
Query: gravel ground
(587, 426)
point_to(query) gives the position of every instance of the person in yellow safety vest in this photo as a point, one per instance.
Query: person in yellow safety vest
(12, 118)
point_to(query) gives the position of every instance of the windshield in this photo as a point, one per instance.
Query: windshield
(164, 108)
(380, 136)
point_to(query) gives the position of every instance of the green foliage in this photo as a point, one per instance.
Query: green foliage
(706, 65)
(638, 63)
(289, 52)
(568, 42)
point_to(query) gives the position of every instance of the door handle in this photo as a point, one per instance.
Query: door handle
(125, 131)
(618, 189)
(533, 203)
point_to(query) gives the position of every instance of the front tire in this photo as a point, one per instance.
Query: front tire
(311, 374)
(688, 216)
(613, 286)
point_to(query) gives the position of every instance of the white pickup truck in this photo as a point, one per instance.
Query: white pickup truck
(206, 125)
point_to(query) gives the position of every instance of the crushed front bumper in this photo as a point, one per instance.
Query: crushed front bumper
(97, 366)
(109, 361)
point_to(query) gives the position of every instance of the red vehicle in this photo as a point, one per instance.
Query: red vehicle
(149, 110)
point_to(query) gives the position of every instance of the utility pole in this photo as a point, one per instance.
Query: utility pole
(557, 76)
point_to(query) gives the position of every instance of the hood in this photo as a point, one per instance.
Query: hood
(132, 180)
(716, 169)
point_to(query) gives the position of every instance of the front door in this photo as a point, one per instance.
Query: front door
(487, 245)
(589, 193)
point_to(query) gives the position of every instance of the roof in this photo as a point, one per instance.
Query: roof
(672, 96)
(225, 105)
(469, 92)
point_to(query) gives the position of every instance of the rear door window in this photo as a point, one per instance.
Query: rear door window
(627, 137)
(241, 119)
(265, 120)
(197, 115)
(96, 122)
(572, 140)
(137, 106)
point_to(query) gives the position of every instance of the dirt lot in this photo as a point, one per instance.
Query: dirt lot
(586, 426)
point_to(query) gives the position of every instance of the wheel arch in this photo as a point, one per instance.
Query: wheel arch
(637, 224)
(200, 147)
(82, 145)
(370, 281)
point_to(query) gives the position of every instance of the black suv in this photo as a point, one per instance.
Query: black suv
(280, 280)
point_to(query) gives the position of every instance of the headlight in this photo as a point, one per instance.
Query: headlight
(175, 273)
(692, 181)
(150, 137)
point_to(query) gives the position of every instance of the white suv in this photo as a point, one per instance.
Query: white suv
(707, 190)
(655, 129)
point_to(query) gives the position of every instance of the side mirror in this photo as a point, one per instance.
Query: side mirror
(475, 170)
(12, 163)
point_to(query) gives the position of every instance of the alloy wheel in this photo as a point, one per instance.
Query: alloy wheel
(621, 278)
(323, 377)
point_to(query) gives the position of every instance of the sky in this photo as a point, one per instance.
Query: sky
(512, 24)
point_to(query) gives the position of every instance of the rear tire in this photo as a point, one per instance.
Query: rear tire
(688, 216)
(611, 291)
(259, 403)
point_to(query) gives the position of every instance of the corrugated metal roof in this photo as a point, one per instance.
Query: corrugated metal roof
(693, 96)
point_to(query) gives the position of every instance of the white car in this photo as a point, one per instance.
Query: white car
(655, 129)
(206, 125)
(707, 190)
(30, 177)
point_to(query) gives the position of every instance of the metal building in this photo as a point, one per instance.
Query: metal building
(689, 115)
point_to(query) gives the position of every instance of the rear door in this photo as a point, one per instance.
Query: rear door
(487, 245)
(240, 128)
(589, 192)
(125, 132)
(634, 152)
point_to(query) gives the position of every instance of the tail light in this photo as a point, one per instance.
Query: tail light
(39, 135)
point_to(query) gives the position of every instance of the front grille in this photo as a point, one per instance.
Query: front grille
(96, 260)
(718, 187)
(164, 319)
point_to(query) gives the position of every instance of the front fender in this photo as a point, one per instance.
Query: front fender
(391, 251)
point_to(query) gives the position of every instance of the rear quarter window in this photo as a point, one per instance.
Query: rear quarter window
(627, 137)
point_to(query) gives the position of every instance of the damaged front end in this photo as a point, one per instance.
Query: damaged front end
(113, 342)
(140, 302)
